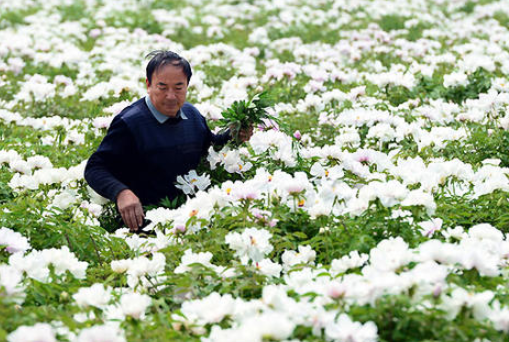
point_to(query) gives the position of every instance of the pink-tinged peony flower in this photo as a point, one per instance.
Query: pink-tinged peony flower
(13, 241)
(336, 289)
(94, 33)
(428, 228)
(245, 192)
(102, 121)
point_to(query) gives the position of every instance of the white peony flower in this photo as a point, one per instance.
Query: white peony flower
(40, 332)
(305, 255)
(190, 258)
(120, 266)
(101, 333)
(390, 254)
(500, 317)
(36, 263)
(192, 183)
(65, 199)
(135, 304)
(455, 79)
(11, 283)
(352, 260)
(459, 298)
(96, 295)
(211, 309)
(345, 330)
(269, 325)
(253, 244)
(269, 268)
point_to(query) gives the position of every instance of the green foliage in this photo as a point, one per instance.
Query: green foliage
(468, 7)
(392, 22)
(60, 229)
(141, 19)
(398, 320)
(49, 71)
(216, 75)
(502, 18)
(397, 95)
(415, 32)
(433, 88)
(74, 11)
(483, 142)
(492, 209)
(479, 82)
(289, 91)
(15, 17)
(307, 33)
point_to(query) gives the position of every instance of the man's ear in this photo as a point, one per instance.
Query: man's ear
(147, 82)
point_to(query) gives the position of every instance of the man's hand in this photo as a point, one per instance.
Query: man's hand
(130, 209)
(245, 133)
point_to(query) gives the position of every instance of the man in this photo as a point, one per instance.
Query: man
(151, 142)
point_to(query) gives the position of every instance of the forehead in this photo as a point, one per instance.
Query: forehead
(169, 74)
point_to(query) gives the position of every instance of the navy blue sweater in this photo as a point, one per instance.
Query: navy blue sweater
(145, 156)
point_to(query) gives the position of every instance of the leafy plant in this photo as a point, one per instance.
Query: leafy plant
(242, 115)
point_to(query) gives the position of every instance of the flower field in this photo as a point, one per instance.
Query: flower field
(375, 208)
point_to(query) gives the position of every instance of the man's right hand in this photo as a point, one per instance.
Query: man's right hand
(130, 209)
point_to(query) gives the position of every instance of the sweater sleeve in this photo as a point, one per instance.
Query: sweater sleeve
(114, 151)
(211, 138)
(221, 139)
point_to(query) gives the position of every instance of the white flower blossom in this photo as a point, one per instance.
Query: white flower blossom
(135, 304)
(253, 244)
(40, 332)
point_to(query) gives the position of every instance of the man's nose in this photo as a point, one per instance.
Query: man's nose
(170, 94)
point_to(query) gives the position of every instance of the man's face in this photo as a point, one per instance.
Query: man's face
(168, 89)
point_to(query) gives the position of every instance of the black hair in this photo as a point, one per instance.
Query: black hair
(160, 58)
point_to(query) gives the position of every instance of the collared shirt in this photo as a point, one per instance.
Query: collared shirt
(160, 116)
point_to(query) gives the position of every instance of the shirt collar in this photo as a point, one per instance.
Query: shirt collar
(160, 117)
